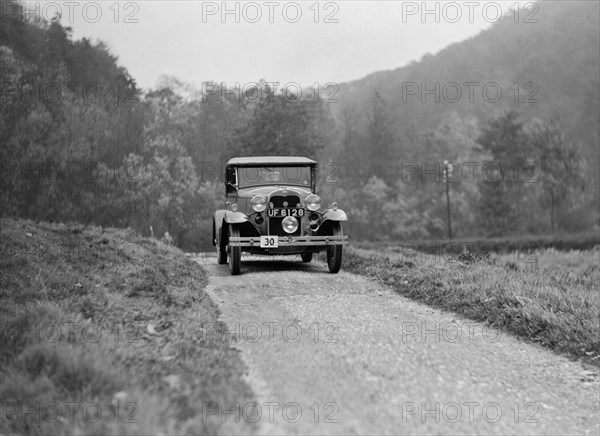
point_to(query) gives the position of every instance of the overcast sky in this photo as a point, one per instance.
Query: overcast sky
(278, 41)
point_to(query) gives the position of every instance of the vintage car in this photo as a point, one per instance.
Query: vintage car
(272, 208)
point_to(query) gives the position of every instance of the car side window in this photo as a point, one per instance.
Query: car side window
(231, 180)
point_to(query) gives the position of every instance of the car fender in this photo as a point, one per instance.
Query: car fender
(334, 215)
(222, 218)
(235, 217)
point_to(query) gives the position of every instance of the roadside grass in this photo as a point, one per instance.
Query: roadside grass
(101, 332)
(508, 244)
(547, 296)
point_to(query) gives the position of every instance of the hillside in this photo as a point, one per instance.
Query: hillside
(109, 327)
(559, 54)
(510, 77)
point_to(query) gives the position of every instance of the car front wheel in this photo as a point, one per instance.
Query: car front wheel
(234, 254)
(221, 252)
(334, 253)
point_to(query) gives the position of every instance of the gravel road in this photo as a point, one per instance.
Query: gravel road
(338, 354)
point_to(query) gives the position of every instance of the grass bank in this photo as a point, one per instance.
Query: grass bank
(103, 332)
(505, 245)
(546, 296)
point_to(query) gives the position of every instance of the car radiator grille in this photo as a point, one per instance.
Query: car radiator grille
(275, 223)
(278, 200)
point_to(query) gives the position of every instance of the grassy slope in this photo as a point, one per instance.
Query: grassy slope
(131, 313)
(548, 296)
(509, 244)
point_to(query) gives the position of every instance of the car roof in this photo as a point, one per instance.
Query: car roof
(270, 161)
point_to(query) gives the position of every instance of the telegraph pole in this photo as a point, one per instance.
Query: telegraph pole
(447, 172)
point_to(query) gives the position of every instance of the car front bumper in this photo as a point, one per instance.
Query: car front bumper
(291, 241)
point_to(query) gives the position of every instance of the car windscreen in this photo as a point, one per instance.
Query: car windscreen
(273, 175)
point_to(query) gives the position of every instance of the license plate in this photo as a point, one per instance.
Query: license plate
(272, 213)
(269, 241)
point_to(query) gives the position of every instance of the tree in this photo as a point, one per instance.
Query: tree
(351, 156)
(500, 190)
(382, 150)
(559, 174)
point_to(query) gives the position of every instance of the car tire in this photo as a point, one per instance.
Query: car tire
(221, 251)
(234, 254)
(306, 257)
(334, 253)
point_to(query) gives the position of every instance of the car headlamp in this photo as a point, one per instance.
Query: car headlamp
(258, 203)
(289, 224)
(313, 202)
